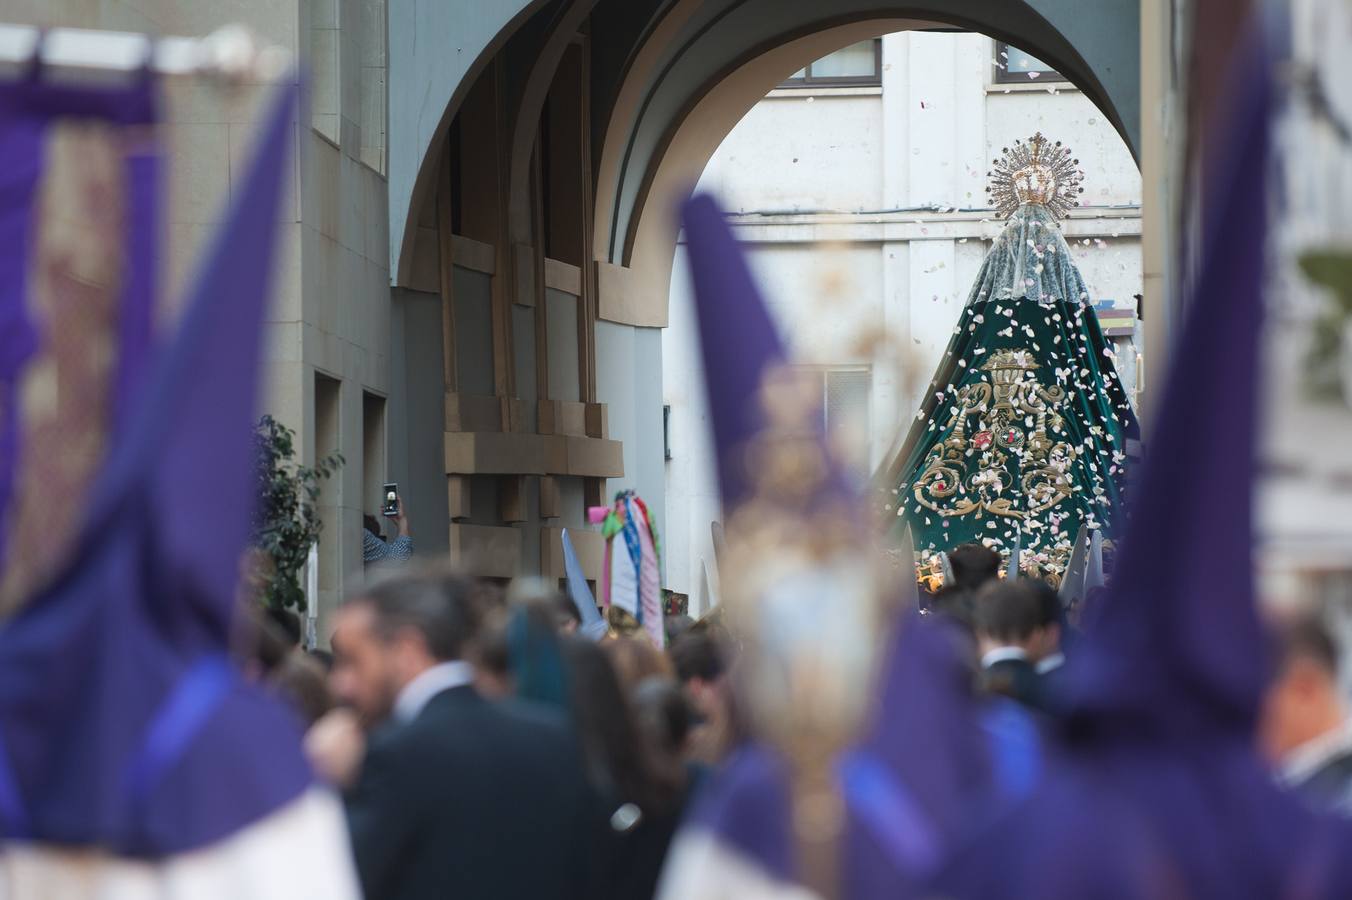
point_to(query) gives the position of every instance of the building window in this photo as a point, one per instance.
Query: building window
(327, 441)
(858, 65)
(1014, 66)
(374, 473)
(845, 411)
(666, 432)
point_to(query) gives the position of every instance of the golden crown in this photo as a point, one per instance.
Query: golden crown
(1035, 171)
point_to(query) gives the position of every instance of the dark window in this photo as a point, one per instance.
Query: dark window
(666, 432)
(858, 65)
(1014, 66)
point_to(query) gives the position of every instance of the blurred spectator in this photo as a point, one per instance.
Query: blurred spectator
(676, 627)
(458, 796)
(701, 662)
(955, 604)
(635, 659)
(565, 610)
(642, 787)
(269, 644)
(301, 680)
(263, 645)
(1010, 637)
(973, 565)
(1305, 727)
(1048, 655)
(492, 658)
(534, 655)
(669, 720)
(375, 550)
(665, 714)
(287, 625)
(1086, 612)
(335, 745)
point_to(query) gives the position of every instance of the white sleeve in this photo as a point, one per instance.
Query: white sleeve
(299, 852)
(700, 867)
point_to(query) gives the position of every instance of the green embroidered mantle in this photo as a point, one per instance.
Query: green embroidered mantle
(1022, 437)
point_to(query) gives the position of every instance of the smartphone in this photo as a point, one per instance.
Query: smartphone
(390, 506)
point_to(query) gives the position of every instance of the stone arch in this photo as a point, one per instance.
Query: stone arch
(680, 100)
(676, 53)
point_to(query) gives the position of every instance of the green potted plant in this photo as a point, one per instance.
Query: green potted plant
(286, 522)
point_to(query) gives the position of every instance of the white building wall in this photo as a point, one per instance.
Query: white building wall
(807, 167)
(865, 211)
(628, 364)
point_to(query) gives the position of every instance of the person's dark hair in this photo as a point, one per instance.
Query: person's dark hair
(625, 764)
(1308, 638)
(1091, 608)
(956, 605)
(439, 605)
(263, 646)
(564, 608)
(300, 680)
(534, 656)
(1008, 610)
(698, 655)
(491, 653)
(1050, 611)
(665, 714)
(636, 659)
(323, 657)
(372, 524)
(287, 625)
(677, 627)
(973, 565)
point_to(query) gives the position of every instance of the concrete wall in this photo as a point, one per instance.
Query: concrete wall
(439, 44)
(629, 370)
(417, 416)
(345, 295)
(692, 499)
(809, 167)
(865, 212)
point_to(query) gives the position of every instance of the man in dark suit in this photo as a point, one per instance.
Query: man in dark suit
(458, 796)
(1306, 728)
(1011, 636)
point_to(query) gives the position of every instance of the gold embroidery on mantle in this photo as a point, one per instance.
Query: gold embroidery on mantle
(1007, 414)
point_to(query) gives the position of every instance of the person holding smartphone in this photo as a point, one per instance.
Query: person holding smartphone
(375, 550)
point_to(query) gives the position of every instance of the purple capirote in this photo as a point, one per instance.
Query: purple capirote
(123, 724)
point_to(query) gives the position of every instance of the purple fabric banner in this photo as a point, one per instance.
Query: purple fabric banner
(79, 194)
(101, 744)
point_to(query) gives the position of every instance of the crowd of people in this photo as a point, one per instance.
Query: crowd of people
(484, 748)
(1022, 632)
